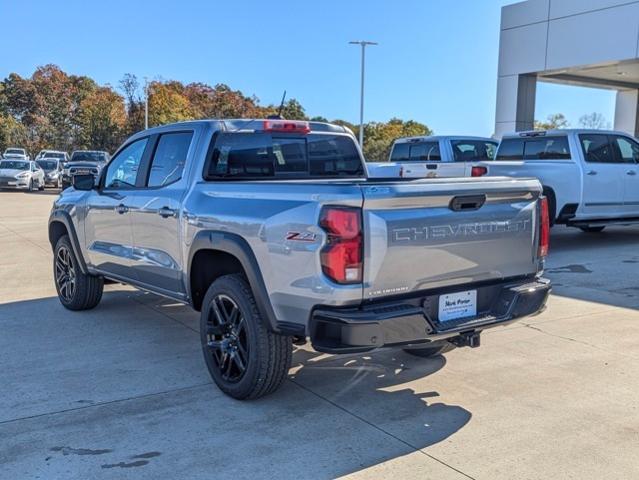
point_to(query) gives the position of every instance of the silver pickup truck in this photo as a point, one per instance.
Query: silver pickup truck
(272, 231)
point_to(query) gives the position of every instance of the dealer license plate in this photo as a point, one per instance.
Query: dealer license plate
(457, 305)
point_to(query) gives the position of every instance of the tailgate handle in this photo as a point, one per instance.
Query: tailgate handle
(464, 203)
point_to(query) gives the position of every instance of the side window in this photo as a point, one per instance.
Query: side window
(627, 150)
(169, 159)
(122, 171)
(510, 149)
(400, 152)
(596, 148)
(425, 152)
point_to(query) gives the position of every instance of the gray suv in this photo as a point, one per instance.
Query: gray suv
(272, 231)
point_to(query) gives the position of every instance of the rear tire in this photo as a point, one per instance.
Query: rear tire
(592, 229)
(76, 290)
(245, 359)
(432, 350)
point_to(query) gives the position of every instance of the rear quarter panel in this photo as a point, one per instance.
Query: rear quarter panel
(268, 215)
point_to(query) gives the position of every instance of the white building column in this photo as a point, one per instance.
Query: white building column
(516, 96)
(627, 111)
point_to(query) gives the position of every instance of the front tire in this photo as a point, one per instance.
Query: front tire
(41, 186)
(245, 359)
(592, 229)
(76, 290)
(432, 350)
(30, 189)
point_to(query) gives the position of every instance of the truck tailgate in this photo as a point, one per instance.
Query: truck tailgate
(428, 233)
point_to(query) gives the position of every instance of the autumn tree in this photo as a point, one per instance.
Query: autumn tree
(102, 119)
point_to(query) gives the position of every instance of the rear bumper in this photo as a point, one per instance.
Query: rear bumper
(414, 320)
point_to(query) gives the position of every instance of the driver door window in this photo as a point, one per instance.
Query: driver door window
(122, 171)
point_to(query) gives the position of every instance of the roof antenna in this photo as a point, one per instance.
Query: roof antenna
(279, 110)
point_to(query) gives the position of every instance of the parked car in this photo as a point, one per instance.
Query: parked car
(272, 231)
(16, 153)
(590, 177)
(84, 162)
(435, 156)
(62, 156)
(52, 168)
(21, 175)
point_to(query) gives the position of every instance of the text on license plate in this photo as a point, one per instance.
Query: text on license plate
(457, 305)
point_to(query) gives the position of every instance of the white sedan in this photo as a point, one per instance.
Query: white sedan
(21, 175)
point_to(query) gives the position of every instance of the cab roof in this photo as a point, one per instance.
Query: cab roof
(561, 132)
(436, 138)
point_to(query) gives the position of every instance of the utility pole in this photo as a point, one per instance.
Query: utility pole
(146, 104)
(363, 44)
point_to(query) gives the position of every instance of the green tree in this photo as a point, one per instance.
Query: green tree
(379, 136)
(554, 121)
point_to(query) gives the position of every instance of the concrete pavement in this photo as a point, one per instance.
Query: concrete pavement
(122, 391)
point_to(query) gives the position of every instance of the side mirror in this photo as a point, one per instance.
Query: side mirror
(83, 182)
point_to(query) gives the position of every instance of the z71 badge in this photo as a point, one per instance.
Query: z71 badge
(301, 236)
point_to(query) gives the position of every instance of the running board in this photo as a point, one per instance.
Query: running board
(603, 222)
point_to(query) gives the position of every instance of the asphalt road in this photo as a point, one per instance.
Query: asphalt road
(122, 391)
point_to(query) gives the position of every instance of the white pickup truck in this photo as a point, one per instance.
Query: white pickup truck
(435, 156)
(590, 177)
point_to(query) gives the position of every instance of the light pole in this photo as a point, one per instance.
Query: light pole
(146, 104)
(363, 44)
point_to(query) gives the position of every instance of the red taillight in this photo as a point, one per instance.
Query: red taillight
(341, 258)
(544, 227)
(286, 126)
(478, 171)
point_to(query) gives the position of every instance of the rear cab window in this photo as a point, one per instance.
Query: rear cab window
(416, 152)
(473, 150)
(264, 155)
(534, 148)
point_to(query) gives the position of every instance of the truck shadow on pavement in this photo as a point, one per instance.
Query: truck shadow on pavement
(388, 389)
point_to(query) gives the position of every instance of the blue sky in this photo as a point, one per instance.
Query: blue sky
(436, 62)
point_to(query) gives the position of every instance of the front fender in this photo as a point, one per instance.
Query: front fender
(64, 218)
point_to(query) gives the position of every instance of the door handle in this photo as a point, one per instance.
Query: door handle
(121, 209)
(631, 172)
(431, 167)
(166, 212)
(591, 172)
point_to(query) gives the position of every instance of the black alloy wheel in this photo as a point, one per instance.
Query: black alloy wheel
(65, 274)
(227, 338)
